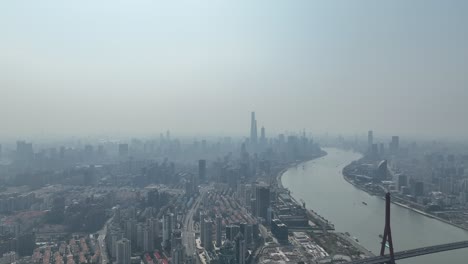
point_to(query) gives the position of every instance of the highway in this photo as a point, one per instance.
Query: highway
(413, 253)
(188, 236)
(102, 243)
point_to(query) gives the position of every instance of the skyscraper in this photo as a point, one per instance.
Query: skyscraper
(253, 129)
(208, 234)
(263, 200)
(168, 226)
(370, 140)
(123, 251)
(395, 144)
(202, 170)
(219, 223)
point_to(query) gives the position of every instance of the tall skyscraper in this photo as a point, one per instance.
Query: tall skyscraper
(263, 200)
(370, 140)
(219, 224)
(202, 170)
(253, 129)
(168, 227)
(131, 231)
(123, 251)
(148, 239)
(208, 235)
(242, 249)
(395, 144)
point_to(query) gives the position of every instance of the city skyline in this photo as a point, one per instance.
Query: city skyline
(142, 67)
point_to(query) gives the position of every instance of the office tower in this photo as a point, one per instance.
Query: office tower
(0, 151)
(202, 170)
(370, 140)
(123, 251)
(419, 189)
(168, 227)
(381, 149)
(123, 150)
(253, 129)
(263, 200)
(402, 181)
(262, 134)
(208, 235)
(395, 144)
(219, 224)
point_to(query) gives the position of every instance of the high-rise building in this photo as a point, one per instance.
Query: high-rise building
(263, 200)
(148, 239)
(253, 129)
(115, 236)
(395, 144)
(123, 251)
(202, 170)
(370, 140)
(140, 235)
(208, 234)
(402, 181)
(168, 227)
(241, 249)
(131, 231)
(219, 224)
(232, 231)
(123, 150)
(153, 225)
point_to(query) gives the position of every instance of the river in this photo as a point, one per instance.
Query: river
(321, 185)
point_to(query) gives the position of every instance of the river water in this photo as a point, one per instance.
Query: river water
(321, 185)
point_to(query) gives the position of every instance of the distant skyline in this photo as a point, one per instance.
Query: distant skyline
(200, 67)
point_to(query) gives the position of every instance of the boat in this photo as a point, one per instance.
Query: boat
(364, 203)
(380, 235)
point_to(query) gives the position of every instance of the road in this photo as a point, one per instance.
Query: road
(188, 237)
(102, 243)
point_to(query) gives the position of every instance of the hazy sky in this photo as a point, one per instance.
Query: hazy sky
(109, 66)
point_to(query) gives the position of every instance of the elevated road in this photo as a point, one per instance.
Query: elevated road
(413, 253)
(188, 236)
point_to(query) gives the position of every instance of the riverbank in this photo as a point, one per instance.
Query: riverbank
(294, 164)
(325, 228)
(381, 196)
